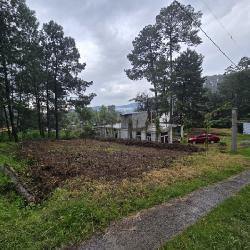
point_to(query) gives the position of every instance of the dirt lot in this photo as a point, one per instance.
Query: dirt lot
(53, 162)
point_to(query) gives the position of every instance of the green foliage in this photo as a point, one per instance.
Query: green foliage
(39, 69)
(64, 68)
(188, 89)
(8, 156)
(222, 146)
(154, 50)
(235, 88)
(234, 91)
(144, 102)
(88, 131)
(106, 115)
(30, 135)
(86, 114)
(4, 137)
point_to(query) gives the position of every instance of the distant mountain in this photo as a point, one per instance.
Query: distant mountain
(127, 108)
(212, 82)
(122, 108)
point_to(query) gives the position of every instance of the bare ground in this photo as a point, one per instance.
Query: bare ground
(54, 162)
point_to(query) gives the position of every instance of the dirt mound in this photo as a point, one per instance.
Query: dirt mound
(174, 146)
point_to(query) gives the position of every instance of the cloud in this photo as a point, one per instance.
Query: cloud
(104, 30)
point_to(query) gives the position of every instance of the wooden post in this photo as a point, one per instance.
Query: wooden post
(170, 134)
(234, 130)
(182, 132)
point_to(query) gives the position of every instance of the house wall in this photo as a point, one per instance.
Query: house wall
(139, 120)
(124, 133)
(143, 135)
(125, 119)
(153, 136)
(134, 134)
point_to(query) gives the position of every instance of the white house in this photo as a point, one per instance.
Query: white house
(141, 126)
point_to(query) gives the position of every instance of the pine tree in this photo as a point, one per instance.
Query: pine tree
(188, 88)
(144, 58)
(178, 25)
(62, 69)
(16, 22)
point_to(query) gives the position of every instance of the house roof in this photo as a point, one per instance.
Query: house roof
(133, 113)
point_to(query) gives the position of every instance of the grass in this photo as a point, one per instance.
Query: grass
(71, 215)
(83, 206)
(226, 227)
(8, 156)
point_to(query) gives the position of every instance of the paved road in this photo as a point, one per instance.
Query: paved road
(150, 228)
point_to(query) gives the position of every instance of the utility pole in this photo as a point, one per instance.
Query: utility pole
(234, 130)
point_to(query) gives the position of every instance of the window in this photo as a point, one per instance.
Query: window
(138, 136)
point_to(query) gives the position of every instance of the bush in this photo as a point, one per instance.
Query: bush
(4, 137)
(88, 131)
(66, 134)
(30, 135)
(222, 146)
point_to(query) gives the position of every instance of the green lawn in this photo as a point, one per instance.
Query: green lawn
(82, 207)
(226, 227)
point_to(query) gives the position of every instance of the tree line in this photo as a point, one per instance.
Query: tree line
(39, 72)
(163, 54)
(232, 92)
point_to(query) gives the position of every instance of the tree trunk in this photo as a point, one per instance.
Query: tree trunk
(7, 121)
(18, 123)
(170, 138)
(154, 81)
(9, 103)
(20, 188)
(40, 125)
(56, 107)
(47, 107)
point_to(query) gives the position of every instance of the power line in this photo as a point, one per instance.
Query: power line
(205, 33)
(219, 21)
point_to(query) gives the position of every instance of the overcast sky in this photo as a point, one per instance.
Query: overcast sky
(104, 31)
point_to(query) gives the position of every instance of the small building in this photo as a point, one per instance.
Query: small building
(109, 130)
(246, 128)
(141, 126)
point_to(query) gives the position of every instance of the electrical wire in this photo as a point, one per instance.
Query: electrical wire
(219, 21)
(205, 33)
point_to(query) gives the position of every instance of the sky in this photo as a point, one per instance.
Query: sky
(104, 31)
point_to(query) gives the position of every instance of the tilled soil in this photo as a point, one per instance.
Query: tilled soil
(53, 162)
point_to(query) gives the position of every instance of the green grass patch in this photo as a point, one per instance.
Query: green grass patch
(226, 227)
(245, 151)
(8, 156)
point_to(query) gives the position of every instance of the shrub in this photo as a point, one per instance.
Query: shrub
(222, 146)
(30, 135)
(88, 131)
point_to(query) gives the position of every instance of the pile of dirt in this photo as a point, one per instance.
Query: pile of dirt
(158, 145)
(54, 162)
